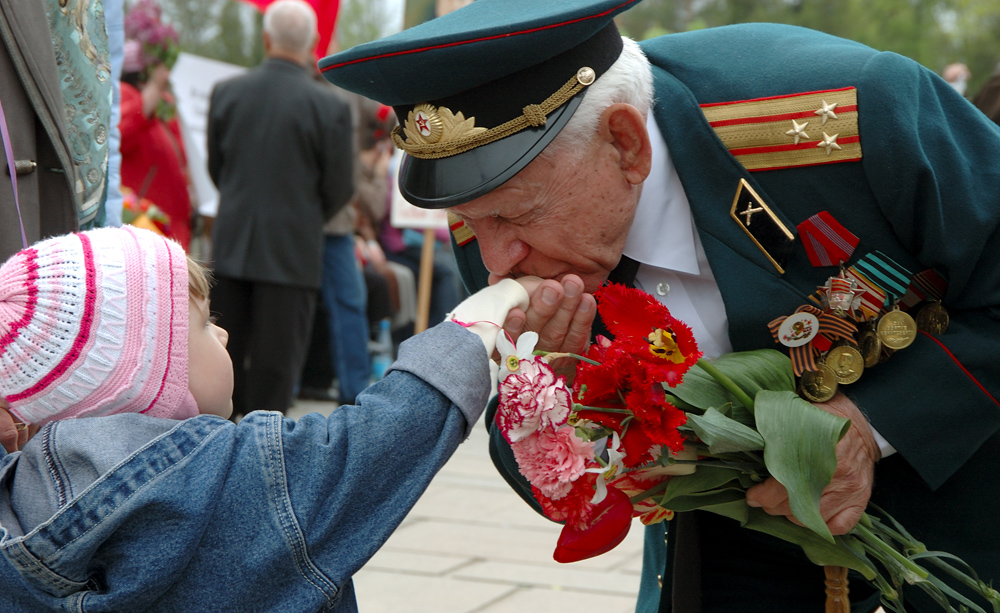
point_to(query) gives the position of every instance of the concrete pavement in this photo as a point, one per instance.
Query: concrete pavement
(471, 545)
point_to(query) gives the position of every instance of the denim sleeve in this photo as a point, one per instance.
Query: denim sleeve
(353, 477)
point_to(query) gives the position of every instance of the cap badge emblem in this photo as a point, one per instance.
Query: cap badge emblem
(427, 124)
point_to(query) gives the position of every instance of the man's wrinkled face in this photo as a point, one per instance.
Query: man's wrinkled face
(568, 214)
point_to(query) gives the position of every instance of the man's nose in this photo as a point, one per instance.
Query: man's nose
(501, 252)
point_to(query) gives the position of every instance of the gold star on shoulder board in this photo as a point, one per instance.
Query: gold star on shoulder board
(798, 131)
(826, 111)
(829, 143)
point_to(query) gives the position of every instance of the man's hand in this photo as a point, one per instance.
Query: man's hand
(561, 313)
(13, 435)
(846, 497)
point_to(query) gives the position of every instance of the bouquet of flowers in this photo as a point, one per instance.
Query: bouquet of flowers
(649, 428)
(160, 42)
(142, 213)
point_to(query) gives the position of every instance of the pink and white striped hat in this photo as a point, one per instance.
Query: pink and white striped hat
(95, 323)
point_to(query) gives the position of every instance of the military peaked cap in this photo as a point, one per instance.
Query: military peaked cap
(481, 91)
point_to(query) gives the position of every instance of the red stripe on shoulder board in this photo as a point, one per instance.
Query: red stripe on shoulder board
(960, 365)
(822, 91)
(479, 40)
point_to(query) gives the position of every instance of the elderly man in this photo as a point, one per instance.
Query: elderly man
(280, 152)
(728, 172)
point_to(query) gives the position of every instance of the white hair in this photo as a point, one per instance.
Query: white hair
(628, 80)
(291, 25)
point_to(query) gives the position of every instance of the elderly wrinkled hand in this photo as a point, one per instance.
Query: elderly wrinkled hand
(562, 314)
(13, 434)
(846, 497)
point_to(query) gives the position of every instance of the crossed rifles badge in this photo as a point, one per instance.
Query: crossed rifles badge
(762, 225)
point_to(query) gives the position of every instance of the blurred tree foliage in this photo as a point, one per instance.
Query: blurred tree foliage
(933, 32)
(223, 30)
(230, 31)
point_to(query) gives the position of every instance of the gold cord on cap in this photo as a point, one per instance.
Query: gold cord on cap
(433, 133)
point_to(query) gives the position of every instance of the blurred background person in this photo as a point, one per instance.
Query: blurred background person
(359, 287)
(154, 165)
(987, 98)
(280, 152)
(957, 75)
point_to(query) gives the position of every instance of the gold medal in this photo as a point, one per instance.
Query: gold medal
(846, 363)
(896, 329)
(933, 318)
(818, 385)
(870, 347)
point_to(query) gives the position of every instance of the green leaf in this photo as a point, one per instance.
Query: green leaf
(706, 500)
(840, 551)
(752, 371)
(723, 434)
(705, 479)
(800, 443)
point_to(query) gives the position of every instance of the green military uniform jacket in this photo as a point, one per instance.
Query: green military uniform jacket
(921, 188)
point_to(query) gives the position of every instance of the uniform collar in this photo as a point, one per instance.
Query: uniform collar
(662, 233)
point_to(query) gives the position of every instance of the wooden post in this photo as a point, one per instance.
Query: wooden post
(836, 590)
(424, 282)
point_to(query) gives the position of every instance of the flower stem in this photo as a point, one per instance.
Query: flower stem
(556, 355)
(727, 383)
(656, 489)
(886, 552)
(582, 407)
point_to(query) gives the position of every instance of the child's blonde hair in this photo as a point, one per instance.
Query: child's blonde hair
(199, 279)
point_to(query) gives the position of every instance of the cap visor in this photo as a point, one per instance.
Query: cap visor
(455, 180)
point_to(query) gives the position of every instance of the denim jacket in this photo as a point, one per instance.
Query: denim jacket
(132, 513)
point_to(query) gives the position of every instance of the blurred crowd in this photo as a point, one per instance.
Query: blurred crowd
(99, 109)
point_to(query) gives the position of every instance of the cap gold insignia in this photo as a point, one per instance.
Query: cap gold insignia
(436, 132)
(427, 124)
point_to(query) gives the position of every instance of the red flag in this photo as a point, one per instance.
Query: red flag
(326, 20)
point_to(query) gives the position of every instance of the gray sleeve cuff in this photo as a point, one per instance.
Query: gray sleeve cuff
(452, 360)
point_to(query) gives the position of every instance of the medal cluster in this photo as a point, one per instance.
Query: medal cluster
(833, 343)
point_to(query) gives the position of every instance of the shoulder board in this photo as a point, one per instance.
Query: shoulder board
(462, 233)
(793, 130)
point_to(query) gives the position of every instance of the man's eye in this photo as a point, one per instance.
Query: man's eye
(211, 320)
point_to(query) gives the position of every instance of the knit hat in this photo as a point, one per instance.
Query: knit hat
(95, 323)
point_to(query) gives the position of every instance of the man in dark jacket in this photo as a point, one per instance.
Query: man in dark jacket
(279, 150)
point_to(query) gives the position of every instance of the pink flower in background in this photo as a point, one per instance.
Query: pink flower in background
(531, 398)
(553, 459)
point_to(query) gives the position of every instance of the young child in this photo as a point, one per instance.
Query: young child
(156, 502)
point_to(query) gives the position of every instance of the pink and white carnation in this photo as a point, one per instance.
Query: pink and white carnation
(553, 459)
(531, 398)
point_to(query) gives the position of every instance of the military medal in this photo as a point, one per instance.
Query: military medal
(819, 385)
(896, 329)
(869, 346)
(846, 363)
(798, 329)
(933, 318)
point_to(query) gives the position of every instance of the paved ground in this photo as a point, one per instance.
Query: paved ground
(470, 545)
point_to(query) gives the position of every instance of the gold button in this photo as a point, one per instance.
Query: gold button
(586, 75)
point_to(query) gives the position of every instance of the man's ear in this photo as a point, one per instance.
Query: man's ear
(625, 127)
